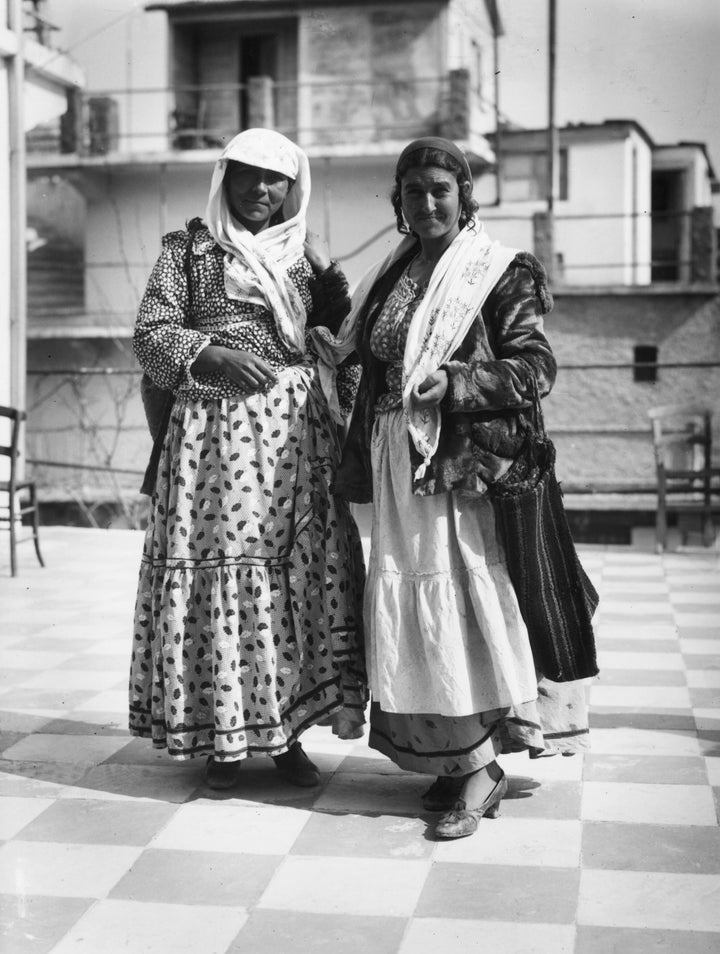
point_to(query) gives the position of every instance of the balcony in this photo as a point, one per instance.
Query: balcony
(356, 117)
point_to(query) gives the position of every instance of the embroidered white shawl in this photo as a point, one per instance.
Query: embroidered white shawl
(256, 265)
(461, 281)
(467, 272)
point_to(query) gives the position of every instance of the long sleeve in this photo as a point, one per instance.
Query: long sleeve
(330, 298)
(512, 326)
(163, 345)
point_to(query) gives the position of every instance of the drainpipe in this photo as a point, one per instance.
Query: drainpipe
(552, 136)
(18, 260)
(498, 123)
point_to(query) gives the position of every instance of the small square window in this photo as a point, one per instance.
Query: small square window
(645, 360)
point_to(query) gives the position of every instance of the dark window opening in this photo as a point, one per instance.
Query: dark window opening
(667, 225)
(645, 360)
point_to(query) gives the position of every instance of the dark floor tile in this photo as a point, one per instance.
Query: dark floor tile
(617, 645)
(705, 698)
(86, 727)
(708, 742)
(374, 794)
(96, 822)
(139, 752)
(701, 608)
(699, 632)
(681, 849)
(607, 940)
(290, 932)
(528, 798)
(169, 783)
(670, 721)
(359, 764)
(702, 661)
(617, 617)
(500, 893)
(24, 722)
(197, 877)
(8, 739)
(642, 677)
(34, 925)
(60, 773)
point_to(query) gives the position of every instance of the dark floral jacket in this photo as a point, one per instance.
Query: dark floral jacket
(487, 408)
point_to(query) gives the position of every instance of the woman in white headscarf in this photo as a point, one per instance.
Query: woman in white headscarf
(248, 617)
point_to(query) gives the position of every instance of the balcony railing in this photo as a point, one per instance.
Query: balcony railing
(35, 24)
(71, 295)
(142, 121)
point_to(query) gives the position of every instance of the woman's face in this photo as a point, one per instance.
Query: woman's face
(253, 194)
(431, 201)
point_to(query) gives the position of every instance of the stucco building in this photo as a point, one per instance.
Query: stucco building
(630, 243)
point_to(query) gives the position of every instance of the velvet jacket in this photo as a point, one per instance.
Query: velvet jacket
(486, 412)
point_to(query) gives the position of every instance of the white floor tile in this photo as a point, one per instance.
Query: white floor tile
(613, 606)
(698, 597)
(265, 829)
(129, 927)
(659, 662)
(90, 680)
(640, 697)
(712, 764)
(63, 870)
(113, 700)
(16, 812)
(636, 632)
(687, 902)
(555, 768)
(700, 647)
(517, 841)
(688, 620)
(690, 582)
(639, 587)
(35, 661)
(648, 804)
(332, 886)
(704, 679)
(625, 741)
(438, 935)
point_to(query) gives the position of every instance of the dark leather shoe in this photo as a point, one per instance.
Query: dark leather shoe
(443, 793)
(296, 768)
(463, 821)
(221, 775)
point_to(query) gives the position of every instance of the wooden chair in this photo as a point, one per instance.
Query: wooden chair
(687, 482)
(21, 494)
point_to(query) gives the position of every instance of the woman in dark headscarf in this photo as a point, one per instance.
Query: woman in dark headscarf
(450, 331)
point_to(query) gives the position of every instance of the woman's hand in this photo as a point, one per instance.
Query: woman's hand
(317, 252)
(431, 391)
(243, 368)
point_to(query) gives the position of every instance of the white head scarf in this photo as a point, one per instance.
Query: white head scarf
(256, 265)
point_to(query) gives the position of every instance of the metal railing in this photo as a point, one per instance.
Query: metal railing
(104, 433)
(36, 24)
(316, 112)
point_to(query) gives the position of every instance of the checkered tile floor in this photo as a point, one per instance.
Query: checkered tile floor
(107, 847)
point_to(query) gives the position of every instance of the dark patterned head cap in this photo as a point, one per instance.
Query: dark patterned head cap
(442, 145)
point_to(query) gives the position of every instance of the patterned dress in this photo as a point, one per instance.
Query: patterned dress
(248, 616)
(451, 672)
